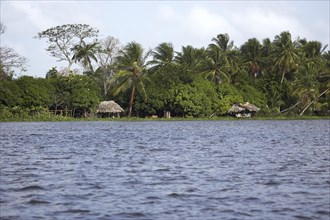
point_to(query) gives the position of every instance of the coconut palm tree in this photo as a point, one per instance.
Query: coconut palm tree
(85, 53)
(213, 68)
(132, 66)
(306, 87)
(227, 53)
(162, 55)
(312, 52)
(190, 57)
(251, 53)
(286, 51)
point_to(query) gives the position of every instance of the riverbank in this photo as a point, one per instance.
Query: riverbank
(62, 118)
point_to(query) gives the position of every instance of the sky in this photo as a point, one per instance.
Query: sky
(152, 22)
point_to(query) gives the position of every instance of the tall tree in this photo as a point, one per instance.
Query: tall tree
(213, 67)
(286, 51)
(251, 53)
(62, 39)
(162, 55)
(106, 55)
(190, 57)
(306, 87)
(132, 65)
(85, 53)
(228, 53)
(10, 60)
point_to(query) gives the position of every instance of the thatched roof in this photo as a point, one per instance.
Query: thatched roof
(250, 107)
(236, 108)
(109, 107)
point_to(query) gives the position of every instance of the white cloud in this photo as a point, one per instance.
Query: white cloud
(203, 23)
(262, 24)
(166, 13)
(150, 23)
(32, 12)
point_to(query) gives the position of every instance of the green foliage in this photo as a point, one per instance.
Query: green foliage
(279, 76)
(85, 94)
(34, 91)
(52, 73)
(10, 93)
(198, 99)
(228, 95)
(252, 95)
(75, 92)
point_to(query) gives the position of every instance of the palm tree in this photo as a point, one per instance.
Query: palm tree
(312, 52)
(227, 49)
(132, 66)
(190, 57)
(85, 53)
(162, 55)
(306, 86)
(286, 51)
(213, 67)
(226, 53)
(251, 52)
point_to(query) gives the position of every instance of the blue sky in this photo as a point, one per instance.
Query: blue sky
(153, 22)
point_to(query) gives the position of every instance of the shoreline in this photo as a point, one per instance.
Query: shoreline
(135, 119)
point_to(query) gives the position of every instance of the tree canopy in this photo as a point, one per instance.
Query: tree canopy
(280, 76)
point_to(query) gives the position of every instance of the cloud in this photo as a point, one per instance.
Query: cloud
(265, 24)
(32, 11)
(200, 23)
(151, 23)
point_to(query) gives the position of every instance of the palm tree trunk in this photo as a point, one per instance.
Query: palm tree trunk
(91, 67)
(131, 101)
(285, 110)
(105, 90)
(282, 76)
(306, 108)
(303, 111)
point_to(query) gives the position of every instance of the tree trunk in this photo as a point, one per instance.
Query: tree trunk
(282, 76)
(285, 110)
(69, 67)
(91, 67)
(105, 89)
(306, 108)
(131, 101)
(303, 111)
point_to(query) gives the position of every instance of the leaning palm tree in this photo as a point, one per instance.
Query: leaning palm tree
(85, 53)
(132, 66)
(306, 87)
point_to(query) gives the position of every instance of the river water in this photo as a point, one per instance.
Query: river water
(242, 169)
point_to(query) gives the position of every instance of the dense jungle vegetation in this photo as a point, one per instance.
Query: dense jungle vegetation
(279, 75)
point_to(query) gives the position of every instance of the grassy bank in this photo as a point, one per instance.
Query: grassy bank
(55, 118)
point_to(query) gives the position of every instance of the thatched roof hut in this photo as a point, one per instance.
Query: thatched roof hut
(109, 107)
(235, 109)
(243, 110)
(250, 107)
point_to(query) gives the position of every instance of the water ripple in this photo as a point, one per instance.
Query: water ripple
(165, 170)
